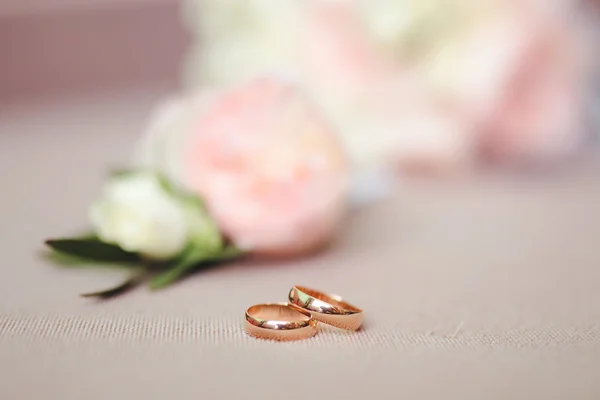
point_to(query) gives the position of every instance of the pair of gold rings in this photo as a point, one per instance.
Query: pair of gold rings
(298, 319)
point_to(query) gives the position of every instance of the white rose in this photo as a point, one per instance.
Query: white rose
(139, 215)
(171, 122)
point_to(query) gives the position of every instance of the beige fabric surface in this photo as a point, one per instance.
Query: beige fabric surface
(485, 287)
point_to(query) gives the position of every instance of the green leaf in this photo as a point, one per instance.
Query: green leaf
(203, 231)
(176, 271)
(88, 235)
(228, 253)
(178, 192)
(193, 258)
(92, 250)
(195, 200)
(65, 259)
(189, 259)
(167, 185)
(134, 280)
(119, 172)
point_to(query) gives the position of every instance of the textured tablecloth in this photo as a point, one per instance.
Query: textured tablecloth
(484, 287)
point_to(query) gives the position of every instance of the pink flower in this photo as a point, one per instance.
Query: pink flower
(519, 73)
(511, 76)
(337, 58)
(540, 113)
(377, 100)
(271, 170)
(501, 78)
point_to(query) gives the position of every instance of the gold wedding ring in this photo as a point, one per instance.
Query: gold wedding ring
(330, 309)
(279, 321)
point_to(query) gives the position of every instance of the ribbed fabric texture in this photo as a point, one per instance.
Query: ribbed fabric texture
(484, 288)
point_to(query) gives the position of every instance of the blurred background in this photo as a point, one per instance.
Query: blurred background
(60, 47)
(487, 279)
(432, 85)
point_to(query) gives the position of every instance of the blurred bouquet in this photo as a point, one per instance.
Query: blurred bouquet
(250, 169)
(287, 101)
(434, 84)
